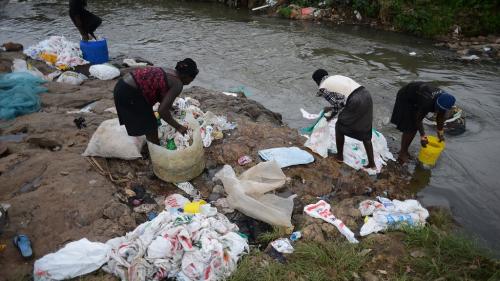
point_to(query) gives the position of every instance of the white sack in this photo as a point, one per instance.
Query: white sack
(111, 140)
(104, 71)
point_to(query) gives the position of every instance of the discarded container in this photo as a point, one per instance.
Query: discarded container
(194, 207)
(430, 154)
(179, 165)
(96, 52)
(295, 236)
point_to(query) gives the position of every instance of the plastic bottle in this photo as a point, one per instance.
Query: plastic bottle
(295, 236)
(171, 144)
(393, 219)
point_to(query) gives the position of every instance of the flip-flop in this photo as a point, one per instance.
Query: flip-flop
(23, 243)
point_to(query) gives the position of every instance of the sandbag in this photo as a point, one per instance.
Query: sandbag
(111, 140)
(104, 71)
(179, 165)
(72, 78)
(246, 193)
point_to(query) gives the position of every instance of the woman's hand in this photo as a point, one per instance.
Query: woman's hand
(440, 134)
(182, 130)
(424, 141)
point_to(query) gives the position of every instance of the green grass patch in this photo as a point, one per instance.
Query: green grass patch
(452, 256)
(332, 260)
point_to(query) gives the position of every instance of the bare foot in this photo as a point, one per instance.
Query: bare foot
(403, 157)
(370, 166)
(339, 158)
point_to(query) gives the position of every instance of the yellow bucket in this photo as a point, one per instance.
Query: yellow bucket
(430, 154)
(194, 207)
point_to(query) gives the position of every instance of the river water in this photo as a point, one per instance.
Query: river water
(274, 59)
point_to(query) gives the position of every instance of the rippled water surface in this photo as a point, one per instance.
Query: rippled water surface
(274, 60)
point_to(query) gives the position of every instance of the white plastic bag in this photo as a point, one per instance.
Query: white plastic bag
(246, 193)
(282, 245)
(72, 78)
(391, 213)
(104, 71)
(75, 259)
(111, 140)
(321, 210)
(287, 156)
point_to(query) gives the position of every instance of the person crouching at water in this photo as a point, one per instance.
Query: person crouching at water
(413, 102)
(137, 92)
(355, 105)
(85, 21)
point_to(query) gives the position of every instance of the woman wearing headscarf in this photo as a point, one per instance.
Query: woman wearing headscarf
(413, 102)
(137, 92)
(354, 105)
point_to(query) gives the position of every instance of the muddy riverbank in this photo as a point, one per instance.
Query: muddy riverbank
(57, 195)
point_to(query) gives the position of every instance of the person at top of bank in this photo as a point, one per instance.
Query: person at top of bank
(85, 21)
(353, 104)
(413, 102)
(137, 92)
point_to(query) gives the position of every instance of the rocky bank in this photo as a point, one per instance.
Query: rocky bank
(57, 195)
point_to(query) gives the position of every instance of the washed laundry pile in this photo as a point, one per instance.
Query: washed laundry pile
(19, 94)
(174, 244)
(57, 51)
(322, 139)
(386, 213)
(211, 125)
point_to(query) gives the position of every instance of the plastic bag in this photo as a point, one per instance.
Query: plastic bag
(391, 213)
(321, 210)
(75, 259)
(283, 246)
(19, 65)
(111, 140)
(287, 156)
(19, 94)
(72, 78)
(104, 71)
(246, 193)
(179, 165)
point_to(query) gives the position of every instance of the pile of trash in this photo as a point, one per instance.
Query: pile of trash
(386, 213)
(322, 139)
(58, 52)
(211, 125)
(175, 244)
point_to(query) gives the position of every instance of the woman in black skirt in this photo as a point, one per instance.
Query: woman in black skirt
(413, 102)
(355, 105)
(137, 92)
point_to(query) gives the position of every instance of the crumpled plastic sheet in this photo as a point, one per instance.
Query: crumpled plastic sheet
(287, 156)
(323, 139)
(386, 213)
(180, 246)
(210, 124)
(68, 53)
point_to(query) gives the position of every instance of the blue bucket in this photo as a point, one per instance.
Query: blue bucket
(96, 52)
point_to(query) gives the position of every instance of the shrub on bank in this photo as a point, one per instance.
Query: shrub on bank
(424, 17)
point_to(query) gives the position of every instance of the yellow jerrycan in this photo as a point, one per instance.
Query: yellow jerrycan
(430, 154)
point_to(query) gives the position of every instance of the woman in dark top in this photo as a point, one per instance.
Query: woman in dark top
(413, 102)
(85, 21)
(137, 92)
